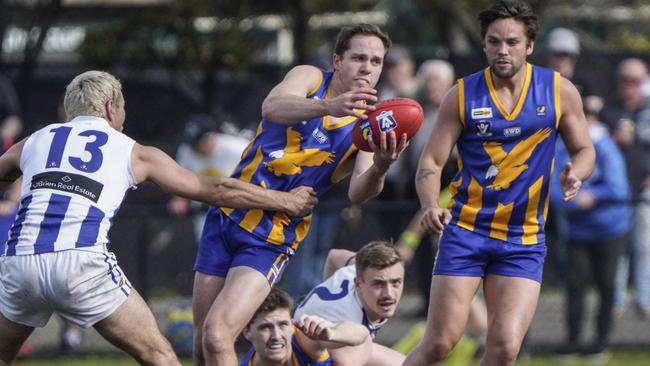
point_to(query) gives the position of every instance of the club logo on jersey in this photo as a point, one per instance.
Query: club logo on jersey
(541, 110)
(478, 113)
(366, 131)
(386, 121)
(512, 131)
(483, 128)
(319, 135)
(293, 158)
(508, 166)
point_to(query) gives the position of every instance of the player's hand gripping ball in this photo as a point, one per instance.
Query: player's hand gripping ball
(401, 115)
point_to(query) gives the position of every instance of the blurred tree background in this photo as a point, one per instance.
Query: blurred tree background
(222, 56)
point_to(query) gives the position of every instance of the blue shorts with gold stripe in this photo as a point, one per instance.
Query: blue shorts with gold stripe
(225, 245)
(464, 253)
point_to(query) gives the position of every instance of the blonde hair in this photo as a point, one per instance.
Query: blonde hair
(88, 93)
(376, 254)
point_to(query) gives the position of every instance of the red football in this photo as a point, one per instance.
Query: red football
(401, 115)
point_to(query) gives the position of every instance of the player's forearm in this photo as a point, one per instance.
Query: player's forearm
(290, 109)
(583, 161)
(348, 333)
(367, 185)
(427, 184)
(234, 193)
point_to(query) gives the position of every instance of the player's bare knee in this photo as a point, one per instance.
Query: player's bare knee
(217, 339)
(506, 350)
(438, 350)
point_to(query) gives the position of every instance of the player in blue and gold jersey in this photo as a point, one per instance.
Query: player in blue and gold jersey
(304, 139)
(504, 121)
(277, 341)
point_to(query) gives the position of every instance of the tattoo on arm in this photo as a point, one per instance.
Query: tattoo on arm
(424, 173)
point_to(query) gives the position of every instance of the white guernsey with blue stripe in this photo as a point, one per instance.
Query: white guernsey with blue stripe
(75, 176)
(337, 300)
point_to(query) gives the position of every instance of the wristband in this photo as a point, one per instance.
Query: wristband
(410, 239)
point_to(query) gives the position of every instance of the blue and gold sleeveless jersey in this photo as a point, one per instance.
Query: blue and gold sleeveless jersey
(298, 356)
(506, 159)
(309, 153)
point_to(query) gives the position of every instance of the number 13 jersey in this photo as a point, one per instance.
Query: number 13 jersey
(75, 176)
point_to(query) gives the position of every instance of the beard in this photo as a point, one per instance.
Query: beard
(505, 74)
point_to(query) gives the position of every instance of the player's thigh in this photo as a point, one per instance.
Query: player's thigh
(132, 327)
(243, 292)
(205, 291)
(511, 304)
(13, 337)
(384, 356)
(449, 306)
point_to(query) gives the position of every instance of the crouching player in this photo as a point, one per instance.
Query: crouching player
(364, 289)
(277, 342)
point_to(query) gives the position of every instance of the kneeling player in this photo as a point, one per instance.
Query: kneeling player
(276, 342)
(366, 293)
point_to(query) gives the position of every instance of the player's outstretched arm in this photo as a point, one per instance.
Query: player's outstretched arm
(10, 164)
(327, 335)
(150, 163)
(287, 103)
(442, 139)
(575, 134)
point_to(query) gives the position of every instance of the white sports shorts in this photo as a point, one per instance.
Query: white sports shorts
(83, 286)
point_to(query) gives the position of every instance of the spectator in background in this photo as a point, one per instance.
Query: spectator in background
(562, 53)
(399, 82)
(206, 152)
(11, 127)
(628, 117)
(435, 78)
(595, 241)
(399, 75)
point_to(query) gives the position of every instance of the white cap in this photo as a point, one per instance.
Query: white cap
(563, 40)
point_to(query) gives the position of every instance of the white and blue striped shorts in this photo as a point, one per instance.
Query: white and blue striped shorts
(82, 286)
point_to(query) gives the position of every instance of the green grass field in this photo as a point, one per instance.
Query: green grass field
(619, 358)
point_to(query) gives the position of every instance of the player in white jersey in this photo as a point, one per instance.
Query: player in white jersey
(366, 293)
(75, 176)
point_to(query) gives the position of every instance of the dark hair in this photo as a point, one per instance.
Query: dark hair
(506, 9)
(376, 254)
(346, 34)
(277, 299)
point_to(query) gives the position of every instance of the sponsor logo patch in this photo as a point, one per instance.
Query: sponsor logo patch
(478, 113)
(512, 131)
(541, 110)
(70, 183)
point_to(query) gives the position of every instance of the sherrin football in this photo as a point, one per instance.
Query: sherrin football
(401, 115)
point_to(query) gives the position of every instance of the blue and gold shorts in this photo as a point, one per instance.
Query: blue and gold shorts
(225, 245)
(464, 253)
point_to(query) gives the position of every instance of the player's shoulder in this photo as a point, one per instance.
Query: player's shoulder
(309, 74)
(344, 272)
(568, 91)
